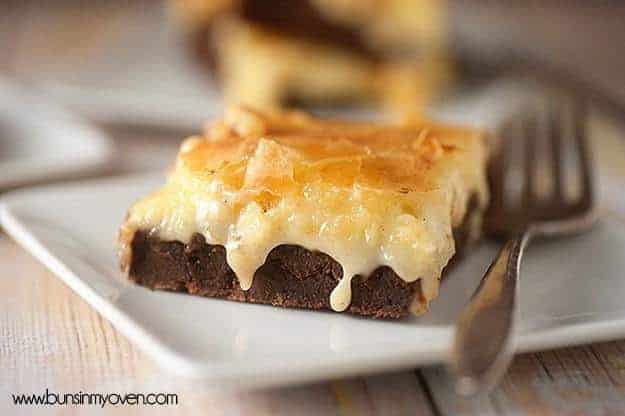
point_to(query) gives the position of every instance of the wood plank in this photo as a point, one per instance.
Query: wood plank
(10, 22)
(569, 381)
(447, 402)
(54, 40)
(315, 399)
(398, 394)
(50, 337)
(611, 355)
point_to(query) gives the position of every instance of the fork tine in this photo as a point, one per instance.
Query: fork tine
(529, 131)
(557, 158)
(498, 169)
(580, 120)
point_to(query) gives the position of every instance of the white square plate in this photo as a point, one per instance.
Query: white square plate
(572, 292)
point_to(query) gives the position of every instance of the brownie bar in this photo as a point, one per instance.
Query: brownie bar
(291, 18)
(292, 276)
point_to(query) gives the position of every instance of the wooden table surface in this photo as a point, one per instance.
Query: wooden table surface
(50, 338)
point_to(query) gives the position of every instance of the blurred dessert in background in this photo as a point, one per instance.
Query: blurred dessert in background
(391, 53)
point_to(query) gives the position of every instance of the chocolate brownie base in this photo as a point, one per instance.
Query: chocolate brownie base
(292, 276)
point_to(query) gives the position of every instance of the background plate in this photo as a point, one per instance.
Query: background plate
(41, 142)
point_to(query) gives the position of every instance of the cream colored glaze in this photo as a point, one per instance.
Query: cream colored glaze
(364, 194)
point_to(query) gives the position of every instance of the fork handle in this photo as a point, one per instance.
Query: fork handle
(483, 346)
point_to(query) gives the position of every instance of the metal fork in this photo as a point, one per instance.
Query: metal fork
(483, 344)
